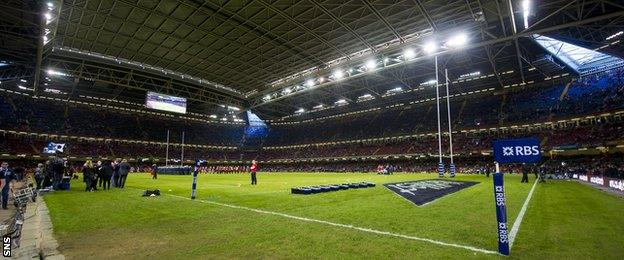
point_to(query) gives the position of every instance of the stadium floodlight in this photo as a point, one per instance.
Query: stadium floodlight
(338, 74)
(365, 96)
(371, 64)
(213, 116)
(50, 4)
(310, 83)
(318, 106)
(613, 36)
(430, 47)
(321, 79)
(267, 98)
(300, 110)
(526, 5)
(286, 91)
(457, 41)
(409, 54)
(57, 73)
(341, 102)
(23, 80)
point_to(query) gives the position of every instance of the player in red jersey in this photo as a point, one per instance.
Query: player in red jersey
(253, 170)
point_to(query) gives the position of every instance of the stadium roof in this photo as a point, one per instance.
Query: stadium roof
(239, 52)
(576, 57)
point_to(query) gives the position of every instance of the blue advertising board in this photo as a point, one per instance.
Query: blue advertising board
(524, 150)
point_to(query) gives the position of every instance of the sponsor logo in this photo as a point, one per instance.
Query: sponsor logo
(617, 184)
(520, 150)
(421, 192)
(597, 180)
(583, 178)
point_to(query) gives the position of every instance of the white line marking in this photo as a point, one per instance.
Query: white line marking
(471, 248)
(516, 225)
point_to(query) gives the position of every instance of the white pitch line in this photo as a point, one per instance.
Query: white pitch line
(374, 231)
(516, 225)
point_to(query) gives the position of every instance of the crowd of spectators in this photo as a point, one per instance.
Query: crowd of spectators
(25, 113)
(592, 94)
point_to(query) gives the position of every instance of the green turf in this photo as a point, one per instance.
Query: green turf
(565, 220)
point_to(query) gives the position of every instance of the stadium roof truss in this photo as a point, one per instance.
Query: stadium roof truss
(239, 52)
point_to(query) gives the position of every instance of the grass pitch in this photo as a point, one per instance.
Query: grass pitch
(564, 219)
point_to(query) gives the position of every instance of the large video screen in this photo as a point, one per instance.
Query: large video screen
(53, 148)
(164, 102)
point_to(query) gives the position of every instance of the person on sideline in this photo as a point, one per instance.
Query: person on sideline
(154, 172)
(525, 174)
(88, 175)
(8, 177)
(107, 172)
(253, 170)
(39, 175)
(124, 169)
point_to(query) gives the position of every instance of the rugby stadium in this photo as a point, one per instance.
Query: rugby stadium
(312, 129)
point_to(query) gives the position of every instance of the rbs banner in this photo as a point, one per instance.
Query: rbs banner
(525, 150)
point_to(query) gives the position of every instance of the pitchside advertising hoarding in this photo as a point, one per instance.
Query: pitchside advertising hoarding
(524, 150)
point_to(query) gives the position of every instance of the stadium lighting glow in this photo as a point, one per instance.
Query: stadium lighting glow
(53, 91)
(310, 83)
(318, 106)
(50, 4)
(371, 64)
(338, 74)
(526, 5)
(430, 47)
(612, 36)
(470, 75)
(54, 72)
(300, 110)
(267, 97)
(457, 41)
(213, 116)
(23, 80)
(287, 91)
(429, 83)
(321, 79)
(409, 54)
(24, 88)
(341, 102)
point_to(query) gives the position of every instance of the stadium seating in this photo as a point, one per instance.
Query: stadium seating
(589, 95)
